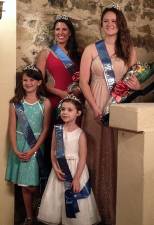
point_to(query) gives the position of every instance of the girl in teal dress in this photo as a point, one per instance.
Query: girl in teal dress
(28, 103)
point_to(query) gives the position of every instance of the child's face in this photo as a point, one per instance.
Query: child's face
(29, 84)
(69, 112)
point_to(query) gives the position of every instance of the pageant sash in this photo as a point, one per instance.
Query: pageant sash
(107, 64)
(24, 124)
(68, 63)
(70, 197)
(31, 140)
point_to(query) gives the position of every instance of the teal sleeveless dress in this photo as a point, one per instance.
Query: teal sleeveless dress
(20, 172)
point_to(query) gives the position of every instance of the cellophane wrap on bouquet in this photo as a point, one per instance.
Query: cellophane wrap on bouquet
(74, 87)
(121, 91)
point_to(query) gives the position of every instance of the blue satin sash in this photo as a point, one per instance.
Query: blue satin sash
(70, 197)
(68, 63)
(107, 64)
(31, 140)
(25, 126)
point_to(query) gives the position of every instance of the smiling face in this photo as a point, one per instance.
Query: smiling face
(62, 33)
(69, 112)
(30, 85)
(109, 24)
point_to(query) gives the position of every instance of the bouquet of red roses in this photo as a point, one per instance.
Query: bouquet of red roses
(121, 91)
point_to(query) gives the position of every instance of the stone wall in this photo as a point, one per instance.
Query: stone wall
(35, 19)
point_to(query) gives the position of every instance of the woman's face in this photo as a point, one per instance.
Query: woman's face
(109, 24)
(62, 33)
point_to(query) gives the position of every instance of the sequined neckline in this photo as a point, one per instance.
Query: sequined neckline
(24, 101)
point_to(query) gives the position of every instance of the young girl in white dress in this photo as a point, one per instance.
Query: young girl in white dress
(54, 208)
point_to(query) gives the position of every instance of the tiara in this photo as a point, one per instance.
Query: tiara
(61, 17)
(31, 67)
(68, 97)
(112, 5)
(71, 97)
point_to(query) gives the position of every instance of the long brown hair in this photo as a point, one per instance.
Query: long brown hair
(19, 90)
(124, 44)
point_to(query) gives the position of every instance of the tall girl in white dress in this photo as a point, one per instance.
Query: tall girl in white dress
(53, 208)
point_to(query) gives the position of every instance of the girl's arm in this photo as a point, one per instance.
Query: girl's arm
(81, 163)
(46, 123)
(55, 165)
(86, 61)
(12, 131)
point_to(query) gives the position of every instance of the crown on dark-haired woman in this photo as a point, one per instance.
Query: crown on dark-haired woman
(112, 5)
(31, 67)
(62, 17)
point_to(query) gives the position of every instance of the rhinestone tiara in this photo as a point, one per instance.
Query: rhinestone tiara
(62, 17)
(112, 5)
(31, 67)
(69, 97)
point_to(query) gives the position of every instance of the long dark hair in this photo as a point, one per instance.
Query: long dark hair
(35, 74)
(72, 46)
(124, 44)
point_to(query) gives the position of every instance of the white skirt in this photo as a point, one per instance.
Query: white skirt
(52, 208)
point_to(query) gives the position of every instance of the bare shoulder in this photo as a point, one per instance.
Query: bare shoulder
(12, 110)
(90, 51)
(44, 53)
(47, 103)
(90, 48)
(11, 106)
(82, 135)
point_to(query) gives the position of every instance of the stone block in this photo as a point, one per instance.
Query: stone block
(132, 116)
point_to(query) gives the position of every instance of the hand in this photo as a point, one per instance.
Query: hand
(97, 113)
(63, 94)
(74, 89)
(76, 185)
(20, 155)
(60, 175)
(120, 89)
(133, 83)
(26, 156)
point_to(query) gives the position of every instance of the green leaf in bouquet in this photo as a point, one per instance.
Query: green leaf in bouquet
(146, 73)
